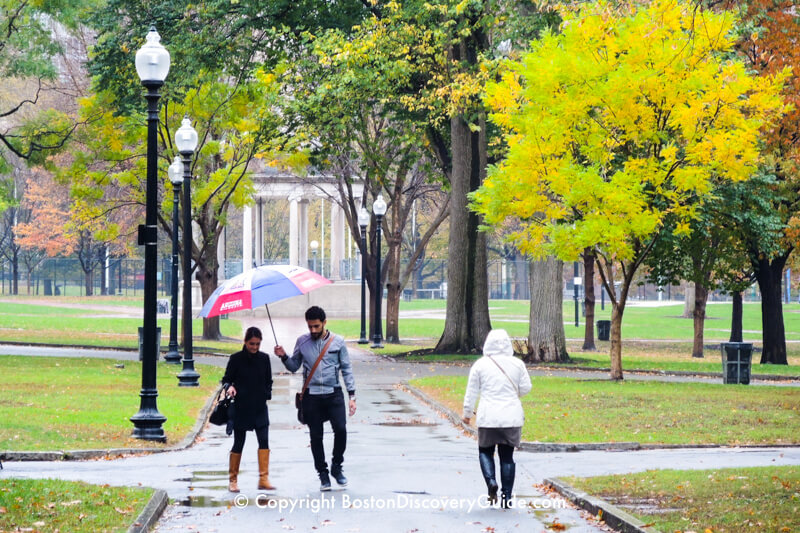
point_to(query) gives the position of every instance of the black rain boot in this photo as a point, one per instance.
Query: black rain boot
(507, 474)
(487, 468)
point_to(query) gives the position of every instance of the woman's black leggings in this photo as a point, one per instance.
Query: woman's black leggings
(262, 434)
(505, 452)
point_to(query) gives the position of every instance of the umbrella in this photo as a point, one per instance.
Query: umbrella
(261, 286)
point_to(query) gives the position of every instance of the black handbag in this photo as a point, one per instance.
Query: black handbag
(298, 397)
(219, 416)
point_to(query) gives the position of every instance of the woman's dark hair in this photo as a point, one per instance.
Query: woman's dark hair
(251, 332)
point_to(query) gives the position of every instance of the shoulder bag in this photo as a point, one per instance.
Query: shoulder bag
(219, 416)
(298, 397)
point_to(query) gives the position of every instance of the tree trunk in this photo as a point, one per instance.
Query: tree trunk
(89, 281)
(208, 284)
(769, 275)
(699, 315)
(467, 318)
(736, 317)
(617, 312)
(588, 299)
(14, 271)
(546, 338)
(688, 299)
(394, 291)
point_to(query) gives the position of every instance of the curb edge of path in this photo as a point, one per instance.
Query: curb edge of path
(603, 510)
(557, 447)
(78, 455)
(151, 513)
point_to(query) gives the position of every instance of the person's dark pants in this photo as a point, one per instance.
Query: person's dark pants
(318, 408)
(262, 434)
(507, 467)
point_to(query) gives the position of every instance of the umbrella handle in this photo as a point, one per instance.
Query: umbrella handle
(270, 325)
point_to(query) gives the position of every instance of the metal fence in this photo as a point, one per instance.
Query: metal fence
(508, 280)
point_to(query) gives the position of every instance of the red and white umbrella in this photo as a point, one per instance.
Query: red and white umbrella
(261, 286)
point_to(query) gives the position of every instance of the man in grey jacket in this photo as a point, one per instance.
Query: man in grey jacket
(324, 399)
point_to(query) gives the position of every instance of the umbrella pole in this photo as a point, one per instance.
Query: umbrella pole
(270, 325)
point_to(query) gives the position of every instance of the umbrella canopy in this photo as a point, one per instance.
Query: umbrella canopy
(261, 286)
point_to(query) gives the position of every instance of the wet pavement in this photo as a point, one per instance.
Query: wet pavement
(410, 469)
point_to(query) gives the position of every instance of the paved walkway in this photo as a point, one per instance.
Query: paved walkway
(409, 468)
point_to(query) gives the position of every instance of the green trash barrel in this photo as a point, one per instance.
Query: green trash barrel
(736, 360)
(603, 330)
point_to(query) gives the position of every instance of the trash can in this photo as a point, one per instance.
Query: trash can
(736, 359)
(603, 330)
(141, 343)
(48, 287)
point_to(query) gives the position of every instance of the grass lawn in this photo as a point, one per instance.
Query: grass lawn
(636, 355)
(737, 500)
(55, 505)
(651, 412)
(49, 403)
(24, 322)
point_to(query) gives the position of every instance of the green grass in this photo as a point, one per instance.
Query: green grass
(657, 323)
(49, 403)
(651, 412)
(636, 356)
(737, 500)
(55, 505)
(22, 322)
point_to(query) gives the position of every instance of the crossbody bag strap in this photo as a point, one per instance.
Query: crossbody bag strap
(316, 364)
(506, 375)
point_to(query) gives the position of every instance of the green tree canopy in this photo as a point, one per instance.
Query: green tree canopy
(619, 121)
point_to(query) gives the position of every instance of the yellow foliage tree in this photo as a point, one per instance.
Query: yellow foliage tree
(624, 118)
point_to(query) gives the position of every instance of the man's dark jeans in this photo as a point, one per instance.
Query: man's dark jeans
(317, 408)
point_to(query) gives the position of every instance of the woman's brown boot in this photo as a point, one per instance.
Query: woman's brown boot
(263, 470)
(233, 471)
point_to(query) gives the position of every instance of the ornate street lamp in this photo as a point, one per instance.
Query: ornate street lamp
(379, 209)
(175, 172)
(152, 66)
(363, 220)
(186, 141)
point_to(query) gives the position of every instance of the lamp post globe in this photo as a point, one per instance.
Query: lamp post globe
(175, 172)
(186, 141)
(363, 220)
(379, 209)
(152, 66)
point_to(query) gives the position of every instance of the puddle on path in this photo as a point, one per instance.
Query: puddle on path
(203, 501)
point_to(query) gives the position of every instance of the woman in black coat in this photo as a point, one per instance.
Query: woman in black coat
(248, 379)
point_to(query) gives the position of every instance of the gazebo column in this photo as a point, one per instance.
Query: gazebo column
(337, 241)
(302, 220)
(260, 231)
(247, 238)
(294, 233)
(222, 255)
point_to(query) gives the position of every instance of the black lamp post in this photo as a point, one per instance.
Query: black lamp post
(152, 66)
(379, 208)
(363, 220)
(175, 172)
(186, 141)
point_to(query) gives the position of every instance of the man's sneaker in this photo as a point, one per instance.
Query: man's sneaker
(339, 476)
(324, 482)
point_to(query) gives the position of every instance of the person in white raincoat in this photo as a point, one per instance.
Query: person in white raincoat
(500, 379)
